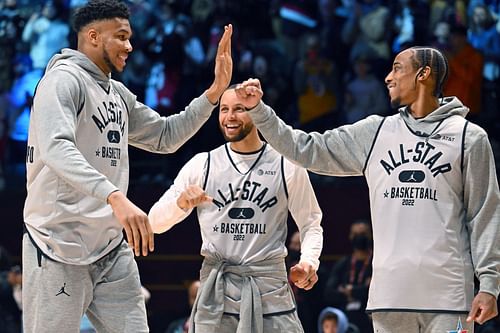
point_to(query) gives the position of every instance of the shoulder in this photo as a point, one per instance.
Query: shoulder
(373, 122)
(64, 72)
(121, 89)
(119, 85)
(474, 134)
(62, 78)
(217, 150)
(198, 160)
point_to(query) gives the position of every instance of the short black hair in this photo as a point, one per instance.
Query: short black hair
(97, 10)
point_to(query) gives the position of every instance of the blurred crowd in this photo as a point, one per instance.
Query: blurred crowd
(322, 63)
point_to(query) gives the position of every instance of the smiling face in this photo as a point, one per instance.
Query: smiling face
(112, 40)
(234, 121)
(401, 81)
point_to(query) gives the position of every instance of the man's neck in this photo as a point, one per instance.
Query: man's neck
(251, 143)
(423, 107)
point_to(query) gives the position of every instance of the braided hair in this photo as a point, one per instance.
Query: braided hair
(428, 56)
(98, 10)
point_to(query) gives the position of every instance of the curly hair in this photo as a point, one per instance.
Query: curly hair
(429, 56)
(97, 10)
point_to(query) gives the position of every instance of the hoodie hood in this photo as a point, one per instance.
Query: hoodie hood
(81, 60)
(449, 106)
(342, 322)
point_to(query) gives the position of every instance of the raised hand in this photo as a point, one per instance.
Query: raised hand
(303, 275)
(223, 67)
(191, 197)
(250, 92)
(134, 221)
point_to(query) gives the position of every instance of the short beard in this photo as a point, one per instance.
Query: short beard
(243, 134)
(396, 103)
(107, 61)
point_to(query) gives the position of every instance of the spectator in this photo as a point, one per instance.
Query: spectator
(315, 83)
(19, 108)
(348, 282)
(181, 325)
(364, 84)
(47, 33)
(409, 23)
(367, 31)
(309, 303)
(332, 320)
(465, 76)
(10, 285)
(484, 37)
(10, 32)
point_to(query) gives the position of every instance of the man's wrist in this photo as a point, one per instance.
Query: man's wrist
(213, 94)
(113, 196)
(253, 107)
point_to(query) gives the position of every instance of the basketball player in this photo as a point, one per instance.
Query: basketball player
(74, 257)
(434, 196)
(243, 191)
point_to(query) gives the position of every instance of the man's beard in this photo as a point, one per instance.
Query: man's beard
(240, 136)
(107, 61)
(396, 103)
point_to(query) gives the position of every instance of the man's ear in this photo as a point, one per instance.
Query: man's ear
(424, 72)
(93, 36)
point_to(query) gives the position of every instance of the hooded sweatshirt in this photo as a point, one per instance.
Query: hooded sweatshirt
(342, 322)
(434, 200)
(82, 122)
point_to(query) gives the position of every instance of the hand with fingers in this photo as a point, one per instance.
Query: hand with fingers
(191, 197)
(135, 222)
(223, 67)
(303, 275)
(250, 92)
(484, 307)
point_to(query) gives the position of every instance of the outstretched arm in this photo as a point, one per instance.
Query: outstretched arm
(341, 151)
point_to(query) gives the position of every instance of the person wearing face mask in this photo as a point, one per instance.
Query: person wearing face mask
(347, 284)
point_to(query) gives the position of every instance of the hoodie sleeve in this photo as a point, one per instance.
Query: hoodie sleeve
(482, 207)
(342, 151)
(152, 132)
(54, 118)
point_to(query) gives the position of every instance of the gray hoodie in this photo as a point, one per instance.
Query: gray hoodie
(81, 124)
(470, 241)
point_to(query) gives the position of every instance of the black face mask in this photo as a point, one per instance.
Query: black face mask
(293, 255)
(361, 242)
